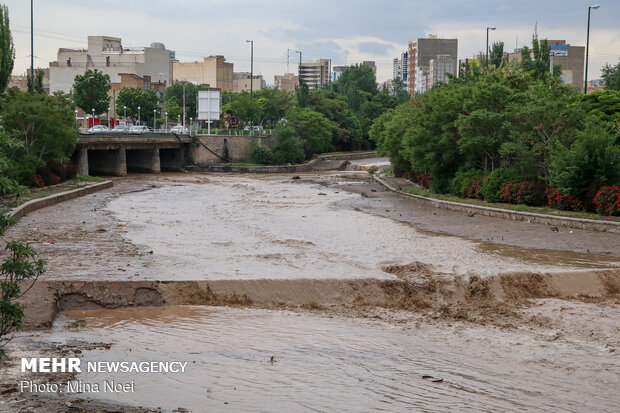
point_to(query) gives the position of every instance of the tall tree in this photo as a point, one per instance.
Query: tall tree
(191, 94)
(7, 52)
(90, 91)
(135, 97)
(496, 54)
(302, 92)
(35, 83)
(611, 75)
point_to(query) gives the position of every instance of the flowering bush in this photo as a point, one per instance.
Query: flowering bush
(558, 200)
(472, 188)
(423, 179)
(607, 200)
(38, 181)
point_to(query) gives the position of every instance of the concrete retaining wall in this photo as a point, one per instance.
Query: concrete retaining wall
(235, 148)
(349, 156)
(568, 222)
(36, 204)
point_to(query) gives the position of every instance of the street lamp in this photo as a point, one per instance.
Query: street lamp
(191, 124)
(297, 51)
(166, 122)
(585, 80)
(251, 66)
(179, 119)
(109, 118)
(138, 115)
(93, 116)
(154, 118)
(125, 115)
(76, 119)
(487, 60)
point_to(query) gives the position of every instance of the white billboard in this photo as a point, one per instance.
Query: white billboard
(209, 103)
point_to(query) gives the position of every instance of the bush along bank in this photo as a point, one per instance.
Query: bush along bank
(509, 136)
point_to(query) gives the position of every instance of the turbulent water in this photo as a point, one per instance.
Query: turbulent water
(335, 364)
(243, 228)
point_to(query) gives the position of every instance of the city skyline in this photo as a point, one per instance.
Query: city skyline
(345, 32)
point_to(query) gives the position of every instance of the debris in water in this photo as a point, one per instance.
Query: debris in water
(321, 193)
(427, 377)
(437, 381)
(555, 229)
(273, 360)
(296, 177)
(471, 215)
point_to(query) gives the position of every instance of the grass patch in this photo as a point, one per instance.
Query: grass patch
(86, 178)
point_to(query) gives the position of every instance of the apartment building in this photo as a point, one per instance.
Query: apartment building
(421, 52)
(315, 74)
(287, 81)
(214, 71)
(337, 71)
(108, 55)
(241, 82)
(401, 68)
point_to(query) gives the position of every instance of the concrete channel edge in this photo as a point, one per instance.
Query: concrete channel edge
(54, 199)
(530, 217)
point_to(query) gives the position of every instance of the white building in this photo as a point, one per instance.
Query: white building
(107, 55)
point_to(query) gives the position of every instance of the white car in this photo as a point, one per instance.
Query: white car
(120, 129)
(99, 129)
(139, 129)
(179, 130)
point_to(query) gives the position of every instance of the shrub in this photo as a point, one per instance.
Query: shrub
(262, 154)
(373, 169)
(460, 180)
(493, 183)
(524, 192)
(559, 200)
(288, 148)
(607, 200)
(472, 188)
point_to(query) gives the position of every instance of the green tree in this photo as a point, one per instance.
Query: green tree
(603, 106)
(247, 109)
(191, 96)
(302, 92)
(314, 130)
(173, 108)
(90, 91)
(275, 103)
(43, 125)
(35, 83)
(358, 78)
(592, 161)
(135, 97)
(399, 92)
(496, 54)
(7, 51)
(538, 65)
(288, 148)
(611, 75)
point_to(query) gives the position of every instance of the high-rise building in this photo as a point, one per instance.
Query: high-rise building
(372, 65)
(214, 71)
(421, 51)
(107, 55)
(440, 67)
(315, 74)
(400, 70)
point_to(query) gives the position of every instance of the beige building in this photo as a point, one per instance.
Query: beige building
(315, 74)
(21, 81)
(213, 71)
(421, 51)
(241, 82)
(287, 81)
(108, 55)
(130, 80)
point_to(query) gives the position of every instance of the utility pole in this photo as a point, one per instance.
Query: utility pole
(585, 80)
(287, 59)
(251, 67)
(299, 69)
(32, 43)
(487, 59)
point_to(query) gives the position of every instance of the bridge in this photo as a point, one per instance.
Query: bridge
(113, 154)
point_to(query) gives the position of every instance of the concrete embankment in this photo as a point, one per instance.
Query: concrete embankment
(415, 288)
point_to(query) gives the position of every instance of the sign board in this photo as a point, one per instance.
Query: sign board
(209, 103)
(560, 51)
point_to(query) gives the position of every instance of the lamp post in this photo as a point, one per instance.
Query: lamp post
(93, 116)
(138, 115)
(31, 42)
(154, 118)
(299, 70)
(487, 59)
(183, 103)
(76, 119)
(166, 121)
(109, 120)
(251, 66)
(179, 119)
(125, 115)
(191, 125)
(585, 80)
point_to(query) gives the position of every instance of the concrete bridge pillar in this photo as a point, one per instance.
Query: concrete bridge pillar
(155, 162)
(120, 164)
(82, 161)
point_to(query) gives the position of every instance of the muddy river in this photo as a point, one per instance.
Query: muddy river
(533, 351)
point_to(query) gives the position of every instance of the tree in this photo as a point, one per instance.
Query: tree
(314, 130)
(398, 91)
(173, 108)
(191, 96)
(35, 82)
(496, 54)
(43, 125)
(356, 78)
(7, 51)
(135, 97)
(275, 103)
(538, 66)
(90, 91)
(611, 75)
(302, 92)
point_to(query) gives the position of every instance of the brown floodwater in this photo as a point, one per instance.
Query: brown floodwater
(260, 360)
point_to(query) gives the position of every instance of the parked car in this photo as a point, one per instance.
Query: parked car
(179, 130)
(99, 129)
(120, 129)
(257, 128)
(139, 129)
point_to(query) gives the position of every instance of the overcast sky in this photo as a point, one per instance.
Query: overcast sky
(345, 31)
